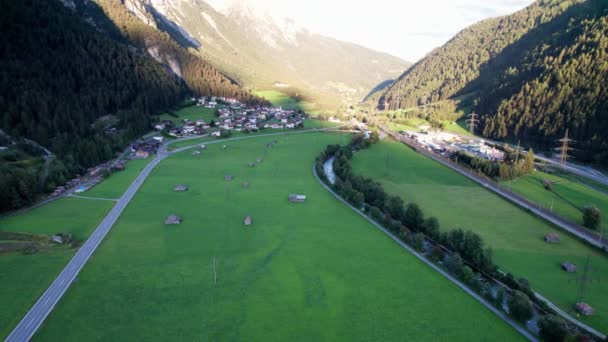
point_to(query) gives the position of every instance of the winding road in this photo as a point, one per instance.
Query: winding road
(44, 305)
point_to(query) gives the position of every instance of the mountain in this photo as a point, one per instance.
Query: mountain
(531, 75)
(261, 51)
(81, 81)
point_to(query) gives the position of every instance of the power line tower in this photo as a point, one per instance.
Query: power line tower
(472, 122)
(564, 148)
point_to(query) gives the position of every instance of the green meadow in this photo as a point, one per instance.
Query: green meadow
(25, 277)
(309, 271)
(277, 98)
(114, 186)
(515, 236)
(567, 198)
(191, 113)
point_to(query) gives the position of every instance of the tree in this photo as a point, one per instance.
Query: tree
(591, 217)
(395, 207)
(431, 228)
(520, 306)
(529, 163)
(552, 328)
(413, 216)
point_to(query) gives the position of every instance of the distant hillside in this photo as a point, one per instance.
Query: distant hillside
(532, 75)
(258, 51)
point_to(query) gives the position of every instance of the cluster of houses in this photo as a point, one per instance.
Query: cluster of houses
(233, 115)
(90, 178)
(142, 149)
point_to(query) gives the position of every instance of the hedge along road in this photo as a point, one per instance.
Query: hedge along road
(45, 304)
(490, 307)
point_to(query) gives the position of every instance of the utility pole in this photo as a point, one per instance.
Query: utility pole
(472, 122)
(564, 148)
(583, 280)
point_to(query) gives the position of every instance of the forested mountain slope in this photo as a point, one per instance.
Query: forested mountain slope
(533, 74)
(67, 78)
(259, 50)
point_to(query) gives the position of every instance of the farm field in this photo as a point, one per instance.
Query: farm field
(456, 127)
(308, 124)
(305, 271)
(119, 181)
(567, 198)
(191, 113)
(515, 236)
(25, 277)
(277, 98)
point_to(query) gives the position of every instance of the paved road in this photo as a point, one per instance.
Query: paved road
(571, 227)
(472, 293)
(42, 308)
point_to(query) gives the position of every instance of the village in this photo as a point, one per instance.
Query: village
(233, 115)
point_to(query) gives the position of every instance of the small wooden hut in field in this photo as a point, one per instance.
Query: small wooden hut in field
(180, 187)
(552, 238)
(196, 153)
(245, 184)
(295, 198)
(228, 177)
(248, 221)
(258, 160)
(173, 219)
(569, 267)
(251, 164)
(584, 309)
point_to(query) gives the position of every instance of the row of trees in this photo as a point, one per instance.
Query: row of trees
(511, 167)
(461, 252)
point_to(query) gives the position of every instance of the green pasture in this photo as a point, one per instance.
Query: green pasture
(567, 197)
(25, 277)
(515, 235)
(277, 98)
(191, 113)
(313, 271)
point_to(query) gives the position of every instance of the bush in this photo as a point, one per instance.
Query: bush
(591, 217)
(552, 328)
(520, 306)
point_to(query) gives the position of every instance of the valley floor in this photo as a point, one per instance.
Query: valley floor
(305, 271)
(515, 236)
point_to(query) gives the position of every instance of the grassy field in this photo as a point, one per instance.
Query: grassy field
(115, 186)
(25, 277)
(277, 98)
(515, 236)
(192, 113)
(413, 126)
(308, 271)
(567, 198)
(308, 124)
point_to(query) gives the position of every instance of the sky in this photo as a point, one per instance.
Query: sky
(407, 28)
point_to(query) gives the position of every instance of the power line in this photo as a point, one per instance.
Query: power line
(472, 122)
(564, 148)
